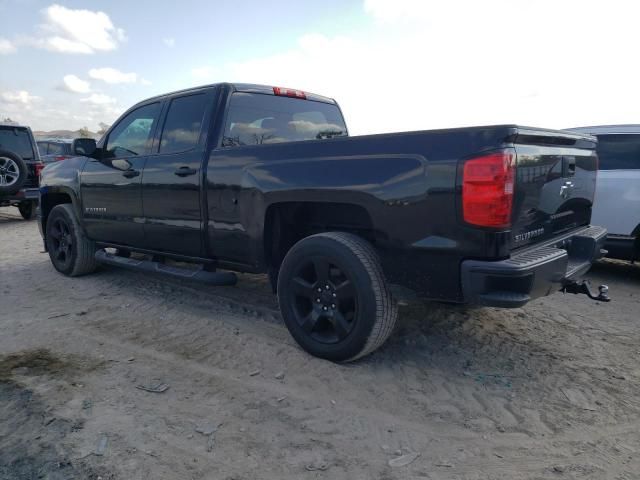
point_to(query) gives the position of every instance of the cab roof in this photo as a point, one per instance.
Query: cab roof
(246, 88)
(607, 129)
(12, 125)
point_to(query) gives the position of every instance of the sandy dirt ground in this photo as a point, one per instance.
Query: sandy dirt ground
(548, 391)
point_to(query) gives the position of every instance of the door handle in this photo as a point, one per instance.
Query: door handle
(130, 173)
(569, 166)
(185, 171)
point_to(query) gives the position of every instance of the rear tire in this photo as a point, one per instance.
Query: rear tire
(28, 209)
(334, 298)
(70, 251)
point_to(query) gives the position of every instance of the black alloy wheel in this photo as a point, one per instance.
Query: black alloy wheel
(325, 301)
(334, 298)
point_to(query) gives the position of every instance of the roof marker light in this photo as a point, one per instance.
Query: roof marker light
(288, 92)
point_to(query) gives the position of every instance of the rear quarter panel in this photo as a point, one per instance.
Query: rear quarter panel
(406, 182)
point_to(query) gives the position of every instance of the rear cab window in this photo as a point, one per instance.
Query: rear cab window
(16, 140)
(256, 119)
(57, 148)
(619, 151)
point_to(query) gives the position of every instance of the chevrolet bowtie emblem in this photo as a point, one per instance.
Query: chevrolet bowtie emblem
(565, 190)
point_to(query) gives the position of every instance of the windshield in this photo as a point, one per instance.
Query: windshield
(16, 140)
(256, 119)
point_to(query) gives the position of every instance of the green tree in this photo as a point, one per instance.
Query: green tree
(84, 132)
(103, 128)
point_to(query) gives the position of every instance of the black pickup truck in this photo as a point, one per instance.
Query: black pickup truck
(265, 179)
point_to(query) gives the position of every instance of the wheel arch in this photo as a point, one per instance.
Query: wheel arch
(52, 197)
(286, 223)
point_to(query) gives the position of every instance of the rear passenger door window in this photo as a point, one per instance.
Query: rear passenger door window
(132, 136)
(183, 124)
(619, 152)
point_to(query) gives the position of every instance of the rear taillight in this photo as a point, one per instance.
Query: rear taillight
(38, 169)
(487, 189)
(58, 158)
(288, 92)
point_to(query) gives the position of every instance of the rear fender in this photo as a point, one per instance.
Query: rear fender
(376, 183)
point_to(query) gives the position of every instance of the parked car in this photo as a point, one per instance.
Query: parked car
(617, 205)
(20, 167)
(54, 150)
(265, 179)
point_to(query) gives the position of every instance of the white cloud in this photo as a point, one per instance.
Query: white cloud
(54, 113)
(21, 97)
(464, 62)
(6, 46)
(383, 10)
(204, 73)
(144, 81)
(78, 31)
(169, 42)
(113, 75)
(19, 105)
(72, 83)
(98, 99)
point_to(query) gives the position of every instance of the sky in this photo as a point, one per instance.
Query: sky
(392, 65)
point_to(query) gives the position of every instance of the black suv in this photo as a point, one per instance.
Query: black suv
(20, 167)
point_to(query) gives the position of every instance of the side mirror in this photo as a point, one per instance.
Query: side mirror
(84, 146)
(97, 154)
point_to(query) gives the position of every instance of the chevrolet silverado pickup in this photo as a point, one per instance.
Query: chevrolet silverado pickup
(261, 179)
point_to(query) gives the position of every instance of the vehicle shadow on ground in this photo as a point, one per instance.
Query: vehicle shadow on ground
(453, 339)
(6, 219)
(442, 336)
(442, 339)
(617, 270)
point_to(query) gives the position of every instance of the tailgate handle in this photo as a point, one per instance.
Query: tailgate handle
(569, 164)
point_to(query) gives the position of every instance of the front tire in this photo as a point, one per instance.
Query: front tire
(28, 210)
(334, 298)
(70, 251)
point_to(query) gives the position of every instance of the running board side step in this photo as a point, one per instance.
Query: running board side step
(210, 278)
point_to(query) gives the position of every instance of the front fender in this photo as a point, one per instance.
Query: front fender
(60, 180)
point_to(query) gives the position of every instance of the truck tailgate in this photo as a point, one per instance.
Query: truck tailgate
(555, 184)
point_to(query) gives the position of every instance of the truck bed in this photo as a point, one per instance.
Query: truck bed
(399, 179)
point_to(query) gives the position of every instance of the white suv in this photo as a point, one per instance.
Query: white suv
(617, 201)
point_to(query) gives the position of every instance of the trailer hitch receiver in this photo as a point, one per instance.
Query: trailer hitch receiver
(585, 287)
